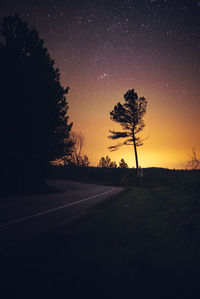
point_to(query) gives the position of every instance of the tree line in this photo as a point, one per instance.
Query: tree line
(108, 163)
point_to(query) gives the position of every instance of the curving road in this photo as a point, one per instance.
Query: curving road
(22, 218)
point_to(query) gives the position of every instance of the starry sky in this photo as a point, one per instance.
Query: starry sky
(104, 48)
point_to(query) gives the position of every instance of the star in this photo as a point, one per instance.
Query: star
(103, 76)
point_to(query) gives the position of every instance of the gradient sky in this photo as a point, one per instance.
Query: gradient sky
(104, 48)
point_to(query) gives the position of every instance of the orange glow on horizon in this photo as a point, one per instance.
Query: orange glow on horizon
(171, 132)
(103, 50)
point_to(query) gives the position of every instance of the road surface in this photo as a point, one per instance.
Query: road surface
(22, 218)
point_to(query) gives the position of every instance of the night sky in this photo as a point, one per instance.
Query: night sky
(103, 48)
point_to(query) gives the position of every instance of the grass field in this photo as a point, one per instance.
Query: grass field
(142, 244)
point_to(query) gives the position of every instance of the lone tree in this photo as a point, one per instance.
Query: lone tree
(34, 125)
(129, 115)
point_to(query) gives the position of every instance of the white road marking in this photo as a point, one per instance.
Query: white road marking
(54, 209)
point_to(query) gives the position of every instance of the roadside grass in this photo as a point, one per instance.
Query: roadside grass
(143, 243)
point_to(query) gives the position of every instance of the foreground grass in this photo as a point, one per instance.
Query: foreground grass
(141, 244)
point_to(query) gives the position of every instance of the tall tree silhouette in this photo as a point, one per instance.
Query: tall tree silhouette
(129, 115)
(34, 123)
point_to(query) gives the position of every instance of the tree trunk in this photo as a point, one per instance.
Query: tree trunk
(136, 156)
(136, 161)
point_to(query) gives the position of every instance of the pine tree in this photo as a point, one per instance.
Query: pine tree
(129, 115)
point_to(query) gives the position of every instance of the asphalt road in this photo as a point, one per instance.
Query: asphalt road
(22, 218)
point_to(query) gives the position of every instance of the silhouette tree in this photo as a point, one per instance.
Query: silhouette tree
(102, 162)
(81, 161)
(78, 141)
(123, 164)
(34, 123)
(113, 164)
(84, 161)
(76, 157)
(129, 115)
(106, 162)
(194, 162)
